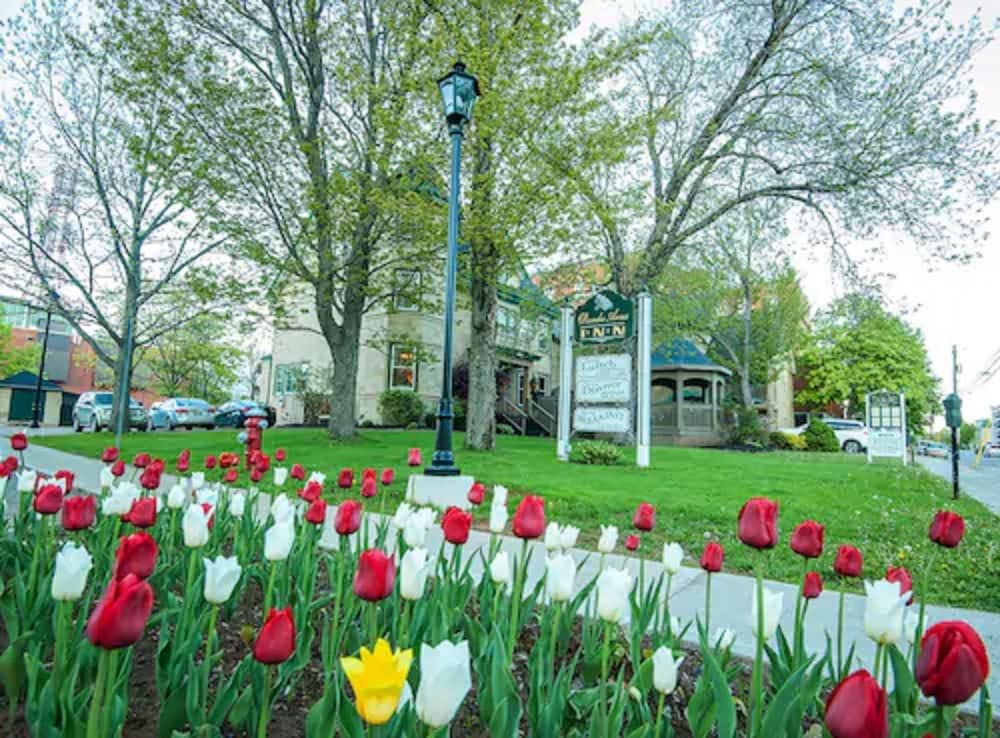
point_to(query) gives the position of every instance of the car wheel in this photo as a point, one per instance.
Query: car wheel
(76, 424)
(94, 425)
(852, 447)
(143, 428)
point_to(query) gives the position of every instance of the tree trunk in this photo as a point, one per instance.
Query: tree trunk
(345, 344)
(480, 415)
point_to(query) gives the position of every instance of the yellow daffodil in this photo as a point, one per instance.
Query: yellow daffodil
(377, 679)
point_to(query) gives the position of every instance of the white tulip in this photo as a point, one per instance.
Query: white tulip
(107, 478)
(413, 574)
(195, 525)
(608, 540)
(884, 608)
(426, 517)
(159, 503)
(197, 480)
(665, 668)
(673, 554)
(221, 578)
(209, 494)
(568, 536)
(282, 509)
(278, 540)
(560, 573)
(445, 679)
(500, 569)
(773, 602)
(498, 514)
(725, 637)
(499, 495)
(317, 477)
(26, 481)
(613, 587)
(414, 532)
(176, 497)
(280, 475)
(403, 513)
(552, 535)
(237, 504)
(117, 503)
(73, 564)
(910, 622)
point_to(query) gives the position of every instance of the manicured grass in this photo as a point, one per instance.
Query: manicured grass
(883, 509)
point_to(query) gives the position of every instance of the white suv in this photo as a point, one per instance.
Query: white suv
(852, 435)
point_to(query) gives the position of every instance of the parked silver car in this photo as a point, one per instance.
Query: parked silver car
(181, 412)
(93, 410)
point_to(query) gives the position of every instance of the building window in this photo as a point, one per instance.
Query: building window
(506, 322)
(407, 284)
(544, 334)
(290, 379)
(402, 367)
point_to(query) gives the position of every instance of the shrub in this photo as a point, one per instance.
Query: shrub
(787, 441)
(796, 442)
(820, 437)
(430, 420)
(400, 407)
(504, 429)
(367, 423)
(747, 430)
(413, 426)
(600, 453)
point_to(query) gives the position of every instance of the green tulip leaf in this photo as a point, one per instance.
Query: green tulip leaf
(350, 721)
(985, 721)
(723, 697)
(172, 714)
(785, 705)
(904, 691)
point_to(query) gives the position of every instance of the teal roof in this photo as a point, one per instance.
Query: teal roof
(28, 380)
(682, 353)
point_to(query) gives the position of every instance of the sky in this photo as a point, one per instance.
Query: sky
(951, 304)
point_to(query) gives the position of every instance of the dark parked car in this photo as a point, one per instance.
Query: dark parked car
(234, 413)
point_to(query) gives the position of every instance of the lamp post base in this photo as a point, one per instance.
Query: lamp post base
(440, 491)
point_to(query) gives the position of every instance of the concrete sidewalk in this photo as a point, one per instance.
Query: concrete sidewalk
(731, 594)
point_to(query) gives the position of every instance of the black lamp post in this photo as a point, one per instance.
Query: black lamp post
(37, 413)
(459, 91)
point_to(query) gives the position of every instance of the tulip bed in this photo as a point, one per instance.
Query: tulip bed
(882, 508)
(209, 609)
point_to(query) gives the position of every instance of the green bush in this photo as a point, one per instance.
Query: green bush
(787, 441)
(413, 426)
(599, 453)
(504, 429)
(747, 430)
(400, 407)
(820, 437)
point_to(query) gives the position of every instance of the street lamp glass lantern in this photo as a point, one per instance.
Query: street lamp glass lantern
(459, 91)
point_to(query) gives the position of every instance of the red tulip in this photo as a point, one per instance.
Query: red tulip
(255, 474)
(857, 708)
(375, 576)
(348, 518)
(262, 462)
(368, 472)
(807, 539)
(812, 585)
(158, 465)
(136, 555)
(11, 463)
(184, 454)
(231, 475)
(477, 493)
(68, 477)
(109, 455)
(118, 468)
(312, 491)
(368, 487)
(142, 513)
(19, 442)
(150, 478)
(78, 512)
(455, 525)
(953, 663)
(529, 518)
(120, 616)
(183, 464)
(49, 499)
(279, 454)
(316, 513)
(849, 562)
(275, 643)
(209, 514)
(632, 542)
(298, 472)
(712, 556)
(947, 529)
(345, 478)
(388, 475)
(4, 470)
(645, 517)
(413, 458)
(229, 460)
(210, 462)
(901, 575)
(141, 461)
(758, 523)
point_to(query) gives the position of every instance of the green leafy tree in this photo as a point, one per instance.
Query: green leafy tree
(14, 359)
(859, 347)
(197, 360)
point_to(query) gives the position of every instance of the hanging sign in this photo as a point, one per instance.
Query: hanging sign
(596, 419)
(605, 317)
(604, 379)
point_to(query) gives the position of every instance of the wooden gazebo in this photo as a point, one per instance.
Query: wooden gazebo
(688, 389)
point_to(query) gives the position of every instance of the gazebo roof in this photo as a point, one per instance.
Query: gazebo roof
(683, 354)
(28, 380)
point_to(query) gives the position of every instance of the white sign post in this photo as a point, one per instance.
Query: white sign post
(644, 380)
(885, 414)
(565, 383)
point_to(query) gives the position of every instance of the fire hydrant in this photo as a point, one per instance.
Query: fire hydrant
(253, 437)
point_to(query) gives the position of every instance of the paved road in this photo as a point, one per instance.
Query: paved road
(982, 483)
(731, 593)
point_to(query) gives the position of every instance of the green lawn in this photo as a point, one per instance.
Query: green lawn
(883, 509)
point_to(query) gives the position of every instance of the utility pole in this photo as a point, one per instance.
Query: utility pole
(954, 426)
